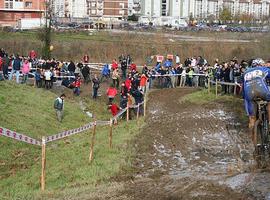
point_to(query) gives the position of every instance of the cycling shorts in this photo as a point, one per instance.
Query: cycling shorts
(253, 90)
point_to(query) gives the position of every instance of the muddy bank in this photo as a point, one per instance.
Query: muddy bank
(189, 151)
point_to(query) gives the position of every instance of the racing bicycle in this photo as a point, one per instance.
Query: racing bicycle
(261, 130)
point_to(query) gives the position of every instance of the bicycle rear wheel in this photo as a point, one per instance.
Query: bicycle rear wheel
(257, 139)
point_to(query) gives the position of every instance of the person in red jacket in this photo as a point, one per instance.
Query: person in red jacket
(114, 110)
(114, 65)
(133, 67)
(77, 86)
(128, 84)
(32, 55)
(111, 93)
(143, 82)
(86, 58)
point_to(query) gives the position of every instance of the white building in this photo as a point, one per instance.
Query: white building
(203, 8)
(70, 8)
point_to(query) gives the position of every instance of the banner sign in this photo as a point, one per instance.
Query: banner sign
(160, 58)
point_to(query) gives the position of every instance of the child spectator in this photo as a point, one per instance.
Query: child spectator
(111, 93)
(77, 86)
(38, 78)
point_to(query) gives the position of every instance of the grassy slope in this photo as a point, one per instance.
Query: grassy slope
(30, 111)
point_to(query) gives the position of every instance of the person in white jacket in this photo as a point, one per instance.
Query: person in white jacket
(183, 78)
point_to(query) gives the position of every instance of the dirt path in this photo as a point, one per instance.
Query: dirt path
(193, 152)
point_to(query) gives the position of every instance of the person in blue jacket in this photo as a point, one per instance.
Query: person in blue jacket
(255, 87)
(105, 72)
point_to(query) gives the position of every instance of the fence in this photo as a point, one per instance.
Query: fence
(52, 138)
(207, 81)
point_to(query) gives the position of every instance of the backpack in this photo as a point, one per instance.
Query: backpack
(56, 104)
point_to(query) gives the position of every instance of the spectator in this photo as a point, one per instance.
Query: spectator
(59, 106)
(124, 96)
(96, 83)
(32, 55)
(6, 62)
(114, 109)
(115, 78)
(177, 59)
(71, 68)
(48, 78)
(183, 78)
(111, 93)
(133, 67)
(25, 70)
(124, 68)
(16, 67)
(86, 74)
(143, 82)
(77, 86)
(86, 58)
(114, 65)
(105, 72)
(38, 78)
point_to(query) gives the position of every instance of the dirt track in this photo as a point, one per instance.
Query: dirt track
(189, 151)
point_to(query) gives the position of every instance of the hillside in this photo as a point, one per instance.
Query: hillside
(30, 111)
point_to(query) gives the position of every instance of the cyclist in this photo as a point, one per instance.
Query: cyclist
(255, 87)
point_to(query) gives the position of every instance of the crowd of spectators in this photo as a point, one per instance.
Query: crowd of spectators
(123, 75)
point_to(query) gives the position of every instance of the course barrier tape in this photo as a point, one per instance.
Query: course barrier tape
(103, 123)
(18, 136)
(70, 132)
(165, 75)
(226, 83)
(119, 114)
(58, 136)
(136, 106)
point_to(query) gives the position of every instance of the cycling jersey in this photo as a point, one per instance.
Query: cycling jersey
(255, 87)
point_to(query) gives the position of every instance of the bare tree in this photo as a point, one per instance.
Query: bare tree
(45, 33)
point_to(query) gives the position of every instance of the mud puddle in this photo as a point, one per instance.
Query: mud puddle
(195, 152)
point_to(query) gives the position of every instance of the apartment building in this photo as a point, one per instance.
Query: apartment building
(70, 8)
(107, 8)
(12, 10)
(203, 8)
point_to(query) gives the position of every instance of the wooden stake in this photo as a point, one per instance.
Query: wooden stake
(209, 85)
(144, 107)
(110, 135)
(43, 163)
(138, 110)
(91, 155)
(216, 88)
(127, 112)
(234, 91)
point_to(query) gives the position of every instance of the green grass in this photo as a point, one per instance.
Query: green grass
(29, 110)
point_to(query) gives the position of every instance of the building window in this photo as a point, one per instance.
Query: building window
(122, 5)
(9, 4)
(28, 4)
(121, 12)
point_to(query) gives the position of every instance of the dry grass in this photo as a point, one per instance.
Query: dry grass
(104, 46)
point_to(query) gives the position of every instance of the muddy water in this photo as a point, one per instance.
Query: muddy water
(196, 152)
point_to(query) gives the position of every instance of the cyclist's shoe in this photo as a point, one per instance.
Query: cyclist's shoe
(251, 123)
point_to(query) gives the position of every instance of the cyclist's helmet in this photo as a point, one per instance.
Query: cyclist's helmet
(257, 62)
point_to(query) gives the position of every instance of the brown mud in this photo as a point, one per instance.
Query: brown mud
(190, 151)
